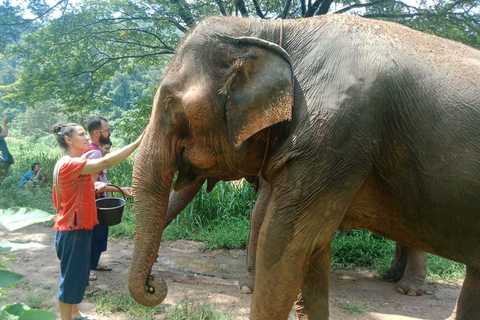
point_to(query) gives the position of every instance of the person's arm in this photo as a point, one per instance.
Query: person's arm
(103, 187)
(45, 177)
(5, 128)
(111, 159)
(126, 190)
(38, 174)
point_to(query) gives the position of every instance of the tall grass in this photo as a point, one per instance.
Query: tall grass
(25, 154)
(221, 218)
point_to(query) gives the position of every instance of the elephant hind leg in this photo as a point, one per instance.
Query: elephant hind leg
(468, 304)
(312, 301)
(397, 269)
(412, 280)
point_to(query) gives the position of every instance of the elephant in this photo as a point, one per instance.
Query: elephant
(354, 123)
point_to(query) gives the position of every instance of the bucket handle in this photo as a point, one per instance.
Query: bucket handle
(112, 185)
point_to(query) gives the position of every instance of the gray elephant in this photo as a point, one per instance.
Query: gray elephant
(353, 123)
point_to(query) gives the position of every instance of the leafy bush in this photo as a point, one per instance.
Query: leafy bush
(13, 219)
(39, 197)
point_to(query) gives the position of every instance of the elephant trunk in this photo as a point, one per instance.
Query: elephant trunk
(152, 178)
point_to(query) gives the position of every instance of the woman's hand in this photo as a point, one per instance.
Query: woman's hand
(127, 191)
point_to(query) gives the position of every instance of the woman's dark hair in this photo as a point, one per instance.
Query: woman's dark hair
(62, 131)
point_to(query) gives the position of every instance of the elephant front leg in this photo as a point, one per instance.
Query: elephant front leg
(246, 284)
(468, 304)
(312, 301)
(293, 256)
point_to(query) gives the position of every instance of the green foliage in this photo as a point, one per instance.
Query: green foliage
(19, 311)
(221, 218)
(39, 300)
(362, 248)
(443, 269)
(8, 278)
(351, 308)
(16, 218)
(25, 154)
(19, 218)
(126, 229)
(34, 124)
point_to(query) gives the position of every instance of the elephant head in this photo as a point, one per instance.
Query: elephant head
(208, 121)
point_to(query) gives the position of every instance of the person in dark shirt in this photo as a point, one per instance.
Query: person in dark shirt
(6, 159)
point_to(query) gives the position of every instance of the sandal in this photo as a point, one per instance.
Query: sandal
(103, 268)
(94, 292)
(92, 276)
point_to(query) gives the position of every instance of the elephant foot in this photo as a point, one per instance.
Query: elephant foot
(394, 273)
(246, 285)
(411, 287)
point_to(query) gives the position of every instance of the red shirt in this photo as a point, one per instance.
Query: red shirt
(77, 197)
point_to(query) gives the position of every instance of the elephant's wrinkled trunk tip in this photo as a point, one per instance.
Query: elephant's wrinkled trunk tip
(152, 293)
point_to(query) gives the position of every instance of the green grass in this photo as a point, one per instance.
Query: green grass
(25, 154)
(359, 248)
(351, 308)
(40, 300)
(123, 303)
(443, 269)
(187, 310)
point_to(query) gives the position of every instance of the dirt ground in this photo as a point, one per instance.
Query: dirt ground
(200, 275)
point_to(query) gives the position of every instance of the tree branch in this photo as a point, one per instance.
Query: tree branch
(241, 6)
(286, 9)
(360, 5)
(221, 6)
(388, 15)
(184, 12)
(324, 7)
(312, 8)
(258, 10)
(40, 16)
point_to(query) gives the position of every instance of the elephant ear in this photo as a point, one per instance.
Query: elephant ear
(259, 91)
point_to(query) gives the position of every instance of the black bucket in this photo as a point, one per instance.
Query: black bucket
(110, 210)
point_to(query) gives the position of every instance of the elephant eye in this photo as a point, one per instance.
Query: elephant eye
(168, 100)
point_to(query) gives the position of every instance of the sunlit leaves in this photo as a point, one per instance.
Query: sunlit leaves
(16, 218)
(19, 311)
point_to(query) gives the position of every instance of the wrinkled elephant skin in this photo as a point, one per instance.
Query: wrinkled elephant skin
(354, 123)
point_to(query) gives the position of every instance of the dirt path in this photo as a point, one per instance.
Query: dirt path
(199, 275)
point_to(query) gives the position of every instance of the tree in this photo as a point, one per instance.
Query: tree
(75, 51)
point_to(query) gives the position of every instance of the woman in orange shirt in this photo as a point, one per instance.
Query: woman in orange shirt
(74, 200)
